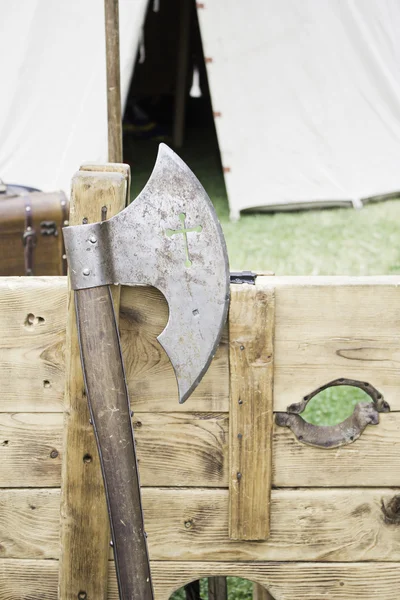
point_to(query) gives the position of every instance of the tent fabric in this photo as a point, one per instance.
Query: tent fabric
(309, 97)
(53, 113)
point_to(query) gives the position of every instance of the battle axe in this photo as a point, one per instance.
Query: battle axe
(169, 238)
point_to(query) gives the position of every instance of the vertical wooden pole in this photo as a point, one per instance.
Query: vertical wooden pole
(83, 569)
(113, 81)
(251, 338)
(217, 588)
(181, 87)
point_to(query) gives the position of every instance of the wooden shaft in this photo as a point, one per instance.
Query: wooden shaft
(111, 416)
(114, 114)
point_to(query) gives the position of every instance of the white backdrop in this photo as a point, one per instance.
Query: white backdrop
(309, 96)
(53, 113)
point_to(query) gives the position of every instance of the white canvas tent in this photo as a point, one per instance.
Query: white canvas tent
(308, 93)
(309, 96)
(53, 112)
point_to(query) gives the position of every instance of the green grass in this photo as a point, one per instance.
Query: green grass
(317, 242)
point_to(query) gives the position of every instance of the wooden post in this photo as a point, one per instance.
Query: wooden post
(113, 81)
(181, 87)
(251, 337)
(83, 569)
(217, 588)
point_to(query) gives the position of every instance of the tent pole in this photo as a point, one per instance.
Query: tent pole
(114, 115)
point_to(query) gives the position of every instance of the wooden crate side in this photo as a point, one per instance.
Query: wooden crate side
(192, 525)
(193, 452)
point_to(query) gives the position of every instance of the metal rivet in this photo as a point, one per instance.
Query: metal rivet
(239, 476)
(111, 543)
(66, 223)
(86, 272)
(93, 239)
(242, 347)
(240, 435)
(188, 523)
(53, 454)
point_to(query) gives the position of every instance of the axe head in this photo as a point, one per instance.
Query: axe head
(169, 238)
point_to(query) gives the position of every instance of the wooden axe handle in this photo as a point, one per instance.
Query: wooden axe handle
(109, 406)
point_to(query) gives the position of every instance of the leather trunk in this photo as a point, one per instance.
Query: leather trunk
(31, 240)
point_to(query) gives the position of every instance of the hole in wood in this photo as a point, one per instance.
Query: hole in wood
(222, 588)
(46, 383)
(334, 405)
(31, 320)
(362, 401)
(87, 458)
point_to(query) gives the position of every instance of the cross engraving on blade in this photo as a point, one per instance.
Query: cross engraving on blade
(184, 231)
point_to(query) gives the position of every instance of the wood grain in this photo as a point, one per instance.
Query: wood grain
(151, 379)
(192, 525)
(84, 519)
(251, 348)
(37, 579)
(30, 449)
(32, 325)
(193, 451)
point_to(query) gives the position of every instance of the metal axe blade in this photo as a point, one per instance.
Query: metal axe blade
(170, 238)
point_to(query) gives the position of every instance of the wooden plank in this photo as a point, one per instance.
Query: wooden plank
(193, 452)
(192, 525)
(37, 579)
(290, 581)
(84, 524)
(316, 524)
(325, 328)
(251, 341)
(32, 337)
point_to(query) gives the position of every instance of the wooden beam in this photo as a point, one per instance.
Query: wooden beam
(84, 519)
(251, 343)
